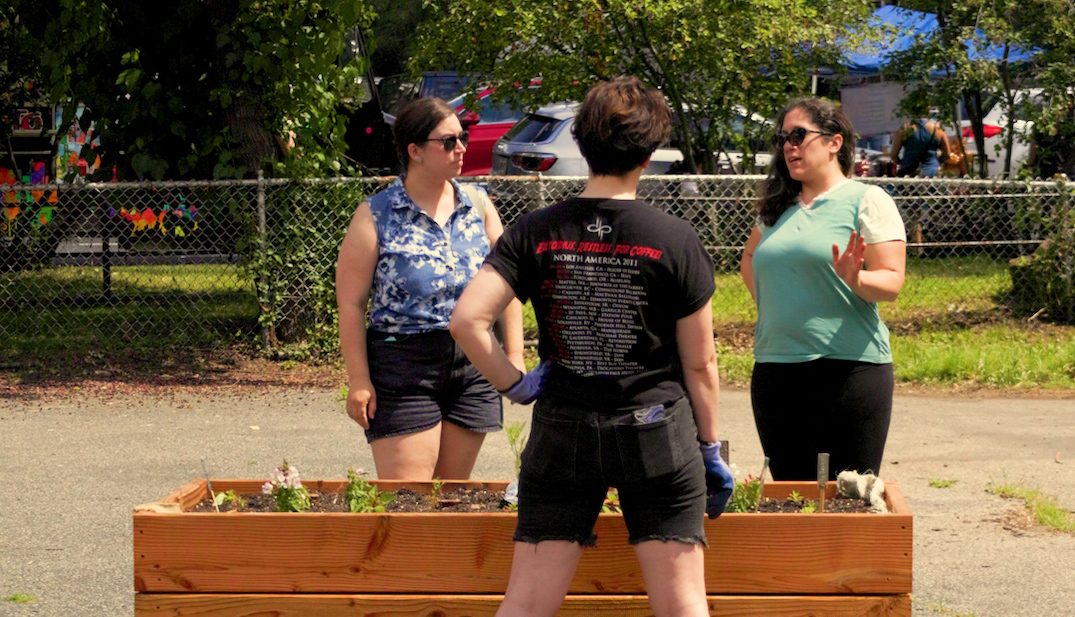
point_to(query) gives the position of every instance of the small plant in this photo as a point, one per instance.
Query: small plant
(436, 486)
(795, 496)
(612, 502)
(745, 496)
(20, 598)
(517, 440)
(229, 499)
(287, 489)
(809, 507)
(361, 496)
(939, 483)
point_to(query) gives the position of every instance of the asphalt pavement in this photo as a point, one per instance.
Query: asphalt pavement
(72, 469)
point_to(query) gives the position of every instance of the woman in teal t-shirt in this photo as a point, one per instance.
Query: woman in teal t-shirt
(824, 252)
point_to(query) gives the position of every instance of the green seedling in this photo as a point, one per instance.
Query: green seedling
(612, 502)
(437, 486)
(229, 499)
(809, 507)
(746, 495)
(939, 483)
(795, 496)
(361, 496)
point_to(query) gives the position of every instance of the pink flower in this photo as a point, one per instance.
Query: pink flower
(266, 489)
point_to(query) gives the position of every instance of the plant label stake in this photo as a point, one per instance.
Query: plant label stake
(209, 483)
(822, 479)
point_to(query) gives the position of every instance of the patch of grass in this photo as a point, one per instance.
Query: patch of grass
(1005, 355)
(942, 608)
(20, 598)
(1043, 508)
(939, 483)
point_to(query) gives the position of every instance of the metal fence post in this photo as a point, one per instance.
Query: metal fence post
(541, 191)
(106, 265)
(262, 243)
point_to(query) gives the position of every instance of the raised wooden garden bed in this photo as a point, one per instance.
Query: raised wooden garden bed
(455, 565)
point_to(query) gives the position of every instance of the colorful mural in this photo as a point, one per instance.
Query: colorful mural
(76, 155)
(26, 205)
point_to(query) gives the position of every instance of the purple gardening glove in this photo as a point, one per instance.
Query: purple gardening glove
(719, 481)
(529, 385)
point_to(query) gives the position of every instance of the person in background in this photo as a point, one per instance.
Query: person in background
(627, 389)
(916, 145)
(1052, 149)
(407, 255)
(824, 252)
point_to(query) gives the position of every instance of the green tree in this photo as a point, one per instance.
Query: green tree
(943, 70)
(196, 89)
(715, 59)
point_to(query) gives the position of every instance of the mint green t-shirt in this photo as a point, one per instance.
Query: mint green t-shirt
(805, 310)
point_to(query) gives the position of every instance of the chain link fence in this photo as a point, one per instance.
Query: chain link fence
(120, 264)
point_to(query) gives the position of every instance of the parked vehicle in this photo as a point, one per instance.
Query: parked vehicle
(486, 123)
(996, 122)
(398, 90)
(541, 142)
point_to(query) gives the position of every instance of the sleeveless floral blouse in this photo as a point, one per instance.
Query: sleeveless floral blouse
(422, 267)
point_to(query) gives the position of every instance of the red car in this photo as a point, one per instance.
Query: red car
(486, 124)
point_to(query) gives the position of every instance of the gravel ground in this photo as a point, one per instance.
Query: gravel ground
(73, 463)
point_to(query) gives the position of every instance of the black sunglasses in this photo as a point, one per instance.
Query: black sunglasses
(795, 137)
(449, 141)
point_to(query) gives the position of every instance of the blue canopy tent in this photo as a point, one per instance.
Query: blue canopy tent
(910, 25)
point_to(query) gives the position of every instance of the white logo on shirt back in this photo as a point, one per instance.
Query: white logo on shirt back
(599, 228)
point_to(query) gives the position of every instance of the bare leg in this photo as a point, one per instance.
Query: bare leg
(675, 578)
(540, 576)
(407, 457)
(458, 452)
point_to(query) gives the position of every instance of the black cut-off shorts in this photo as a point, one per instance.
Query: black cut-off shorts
(573, 456)
(423, 379)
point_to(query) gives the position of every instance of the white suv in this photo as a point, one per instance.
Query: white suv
(996, 122)
(542, 143)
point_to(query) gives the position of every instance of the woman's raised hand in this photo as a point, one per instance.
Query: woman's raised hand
(848, 265)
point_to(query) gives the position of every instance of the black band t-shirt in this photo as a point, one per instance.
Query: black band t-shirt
(608, 279)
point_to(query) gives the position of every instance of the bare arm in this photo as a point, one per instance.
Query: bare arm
(486, 297)
(698, 355)
(897, 142)
(946, 146)
(354, 281)
(885, 263)
(510, 322)
(746, 264)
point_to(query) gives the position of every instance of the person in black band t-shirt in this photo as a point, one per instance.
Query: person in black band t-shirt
(627, 384)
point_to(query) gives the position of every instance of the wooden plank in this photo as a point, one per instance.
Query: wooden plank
(471, 553)
(313, 605)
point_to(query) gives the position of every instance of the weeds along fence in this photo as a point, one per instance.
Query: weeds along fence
(135, 264)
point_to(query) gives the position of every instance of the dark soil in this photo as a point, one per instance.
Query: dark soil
(458, 500)
(479, 500)
(837, 505)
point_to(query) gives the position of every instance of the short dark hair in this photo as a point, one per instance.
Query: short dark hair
(619, 124)
(416, 121)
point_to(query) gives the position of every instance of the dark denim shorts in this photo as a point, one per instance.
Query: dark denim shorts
(573, 456)
(423, 379)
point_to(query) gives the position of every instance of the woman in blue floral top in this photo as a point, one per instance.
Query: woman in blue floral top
(408, 253)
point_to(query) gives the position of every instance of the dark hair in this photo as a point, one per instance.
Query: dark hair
(780, 190)
(416, 121)
(619, 125)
